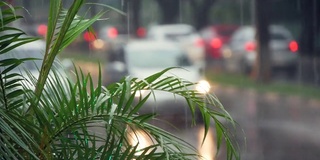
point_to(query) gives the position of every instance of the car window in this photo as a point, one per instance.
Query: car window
(275, 36)
(243, 35)
(208, 33)
(225, 31)
(171, 32)
(177, 36)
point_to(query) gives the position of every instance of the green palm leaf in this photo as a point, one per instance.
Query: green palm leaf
(16, 142)
(63, 28)
(72, 119)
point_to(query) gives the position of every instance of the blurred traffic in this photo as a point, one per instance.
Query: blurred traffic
(240, 54)
(182, 35)
(142, 58)
(215, 37)
(31, 56)
(208, 39)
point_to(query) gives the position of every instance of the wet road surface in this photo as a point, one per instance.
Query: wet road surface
(275, 127)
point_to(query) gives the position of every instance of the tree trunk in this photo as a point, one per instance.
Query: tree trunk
(262, 69)
(170, 11)
(201, 10)
(309, 58)
(135, 16)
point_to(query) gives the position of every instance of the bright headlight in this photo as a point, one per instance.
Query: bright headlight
(98, 44)
(203, 86)
(226, 53)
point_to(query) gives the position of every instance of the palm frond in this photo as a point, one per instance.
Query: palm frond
(100, 121)
(209, 106)
(64, 27)
(16, 142)
(10, 37)
(69, 119)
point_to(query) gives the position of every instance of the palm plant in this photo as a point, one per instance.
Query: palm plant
(68, 119)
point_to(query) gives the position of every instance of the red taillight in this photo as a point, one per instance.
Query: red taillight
(199, 42)
(42, 29)
(112, 33)
(216, 43)
(250, 46)
(89, 36)
(293, 46)
(141, 32)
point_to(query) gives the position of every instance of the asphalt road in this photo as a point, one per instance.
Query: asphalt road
(275, 127)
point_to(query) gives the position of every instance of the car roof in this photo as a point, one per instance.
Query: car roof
(36, 45)
(273, 28)
(221, 27)
(172, 28)
(151, 45)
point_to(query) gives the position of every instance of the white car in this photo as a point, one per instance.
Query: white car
(240, 55)
(35, 52)
(183, 35)
(143, 58)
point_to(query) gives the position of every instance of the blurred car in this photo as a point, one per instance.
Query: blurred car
(29, 50)
(240, 55)
(111, 37)
(183, 35)
(107, 38)
(215, 37)
(35, 51)
(143, 58)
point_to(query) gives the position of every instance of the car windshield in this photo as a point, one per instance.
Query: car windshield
(245, 34)
(177, 36)
(275, 36)
(226, 32)
(248, 34)
(156, 58)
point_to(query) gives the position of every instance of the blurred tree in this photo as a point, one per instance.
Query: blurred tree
(262, 71)
(309, 37)
(201, 9)
(232, 12)
(132, 20)
(310, 27)
(134, 8)
(170, 11)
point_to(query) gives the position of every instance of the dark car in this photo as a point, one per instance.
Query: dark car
(110, 38)
(240, 55)
(215, 37)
